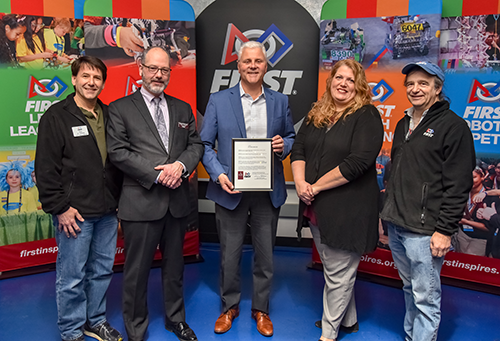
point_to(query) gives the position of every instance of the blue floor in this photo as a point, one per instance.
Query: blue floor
(28, 310)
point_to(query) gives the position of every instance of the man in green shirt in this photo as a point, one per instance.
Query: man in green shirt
(80, 188)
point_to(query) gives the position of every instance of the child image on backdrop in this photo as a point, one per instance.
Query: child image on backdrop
(14, 197)
(12, 26)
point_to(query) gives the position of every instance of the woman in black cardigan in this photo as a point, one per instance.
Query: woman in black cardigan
(333, 164)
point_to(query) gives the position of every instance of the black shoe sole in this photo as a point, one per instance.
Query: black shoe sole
(352, 329)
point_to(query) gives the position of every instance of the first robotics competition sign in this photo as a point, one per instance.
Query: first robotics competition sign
(470, 56)
(384, 36)
(26, 232)
(283, 26)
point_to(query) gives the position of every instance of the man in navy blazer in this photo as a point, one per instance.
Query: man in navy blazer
(247, 110)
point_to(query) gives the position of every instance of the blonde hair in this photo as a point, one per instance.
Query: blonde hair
(323, 110)
(63, 22)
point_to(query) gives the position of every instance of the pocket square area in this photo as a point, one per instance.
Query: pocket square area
(183, 125)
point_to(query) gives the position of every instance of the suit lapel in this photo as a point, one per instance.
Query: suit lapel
(235, 100)
(138, 100)
(270, 111)
(171, 120)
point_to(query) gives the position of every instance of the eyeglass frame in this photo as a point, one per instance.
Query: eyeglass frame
(35, 24)
(163, 71)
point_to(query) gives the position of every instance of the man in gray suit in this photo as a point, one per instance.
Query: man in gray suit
(152, 138)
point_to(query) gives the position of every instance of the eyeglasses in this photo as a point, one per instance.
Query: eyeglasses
(35, 25)
(154, 69)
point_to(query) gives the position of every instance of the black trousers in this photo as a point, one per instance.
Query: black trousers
(257, 209)
(141, 241)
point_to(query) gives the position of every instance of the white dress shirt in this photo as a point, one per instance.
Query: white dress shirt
(255, 113)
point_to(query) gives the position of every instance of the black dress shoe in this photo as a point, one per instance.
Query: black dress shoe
(182, 331)
(352, 329)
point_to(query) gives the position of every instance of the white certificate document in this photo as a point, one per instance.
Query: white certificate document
(253, 165)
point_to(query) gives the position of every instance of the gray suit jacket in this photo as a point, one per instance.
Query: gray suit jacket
(135, 147)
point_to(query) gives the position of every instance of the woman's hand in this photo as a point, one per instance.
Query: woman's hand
(304, 192)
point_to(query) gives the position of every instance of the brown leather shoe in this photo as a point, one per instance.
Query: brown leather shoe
(264, 324)
(225, 320)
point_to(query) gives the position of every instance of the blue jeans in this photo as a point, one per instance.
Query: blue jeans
(420, 272)
(84, 269)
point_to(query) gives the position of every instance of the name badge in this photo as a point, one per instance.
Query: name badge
(80, 131)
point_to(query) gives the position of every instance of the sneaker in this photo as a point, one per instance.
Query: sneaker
(103, 332)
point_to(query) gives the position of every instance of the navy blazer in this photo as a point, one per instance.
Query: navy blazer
(224, 121)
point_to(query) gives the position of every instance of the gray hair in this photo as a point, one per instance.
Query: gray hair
(438, 83)
(252, 44)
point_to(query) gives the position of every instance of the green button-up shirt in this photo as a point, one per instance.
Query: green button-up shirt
(97, 125)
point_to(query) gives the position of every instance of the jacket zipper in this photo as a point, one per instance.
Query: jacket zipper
(70, 189)
(425, 188)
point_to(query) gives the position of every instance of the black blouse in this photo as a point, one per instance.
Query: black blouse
(347, 215)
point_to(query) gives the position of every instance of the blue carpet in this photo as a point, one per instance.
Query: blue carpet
(28, 309)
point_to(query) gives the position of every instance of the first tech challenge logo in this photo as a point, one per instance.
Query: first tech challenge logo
(482, 112)
(381, 91)
(42, 93)
(292, 55)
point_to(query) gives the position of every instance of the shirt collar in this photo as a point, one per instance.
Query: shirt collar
(409, 112)
(90, 114)
(243, 93)
(148, 97)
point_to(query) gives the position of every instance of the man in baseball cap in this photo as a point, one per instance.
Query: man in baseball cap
(433, 157)
(430, 68)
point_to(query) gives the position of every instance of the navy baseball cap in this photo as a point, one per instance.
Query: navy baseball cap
(428, 67)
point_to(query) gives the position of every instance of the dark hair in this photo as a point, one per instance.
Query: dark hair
(13, 21)
(91, 62)
(8, 48)
(479, 171)
(28, 35)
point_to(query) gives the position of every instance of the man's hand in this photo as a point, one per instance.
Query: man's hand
(278, 144)
(304, 192)
(487, 212)
(440, 244)
(67, 222)
(170, 175)
(226, 184)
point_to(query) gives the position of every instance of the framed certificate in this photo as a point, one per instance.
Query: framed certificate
(253, 165)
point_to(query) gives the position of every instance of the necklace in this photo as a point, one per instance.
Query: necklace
(12, 55)
(36, 45)
(20, 201)
(59, 42)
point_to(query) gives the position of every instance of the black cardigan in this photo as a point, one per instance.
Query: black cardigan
(347, 215)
